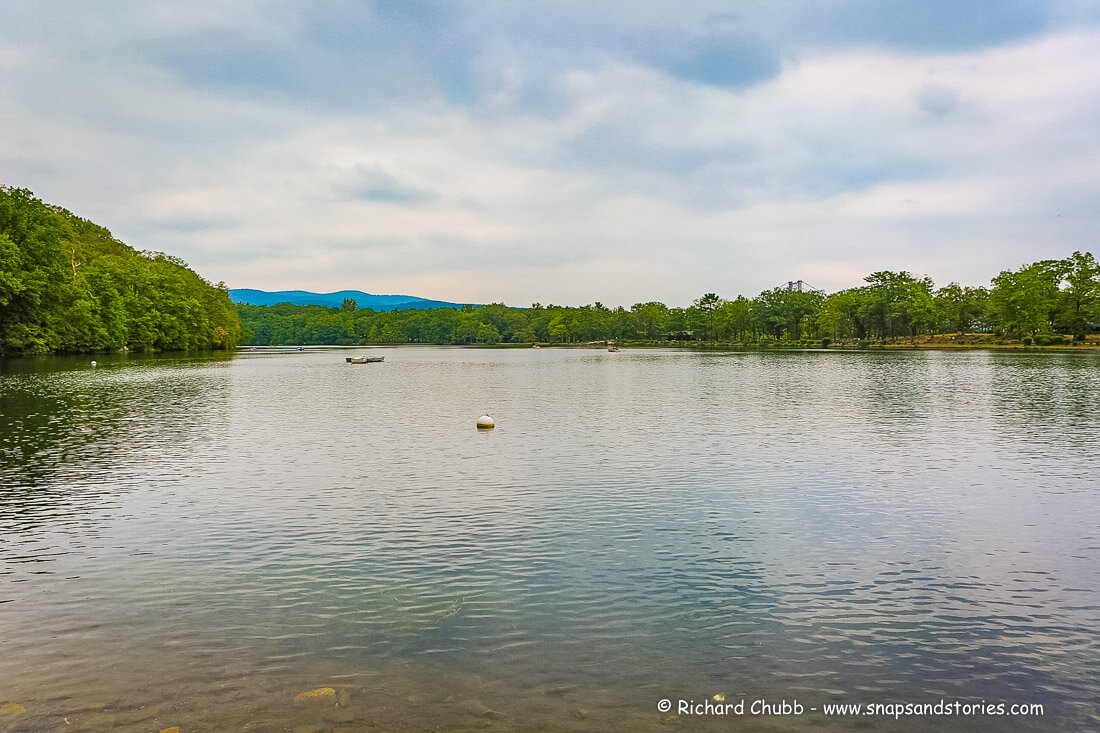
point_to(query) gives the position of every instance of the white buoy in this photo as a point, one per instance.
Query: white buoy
(485, 423)
(93, 362)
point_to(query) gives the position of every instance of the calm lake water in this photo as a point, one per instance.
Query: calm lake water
(194, 541)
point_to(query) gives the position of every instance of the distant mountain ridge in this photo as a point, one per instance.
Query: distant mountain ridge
(249, 296)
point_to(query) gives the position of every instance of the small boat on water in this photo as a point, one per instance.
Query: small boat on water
(364, 359)
(612, 348)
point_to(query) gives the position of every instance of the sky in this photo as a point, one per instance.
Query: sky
(563, 152)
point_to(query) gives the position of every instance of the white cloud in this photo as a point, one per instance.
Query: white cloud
(595, 177)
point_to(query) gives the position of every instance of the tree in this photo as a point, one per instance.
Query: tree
(961, 309)
(840, 314)
(526, 334)
(503, 319)
(650, 319)
(734, 319)
(896, 303)
(11, 280)
(558, 330)
(1026, 301)
(487, 334)
(676, 325)
(1081, 297)
(784, 313)
(700, 316)
(468, 325)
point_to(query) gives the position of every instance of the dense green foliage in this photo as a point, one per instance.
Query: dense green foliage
(1056, 296)
(67, 285)
(1040, 300)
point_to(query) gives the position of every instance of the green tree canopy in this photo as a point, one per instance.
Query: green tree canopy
(67, 285)
(889, 305)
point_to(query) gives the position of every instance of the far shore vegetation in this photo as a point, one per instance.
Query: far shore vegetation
(1048, 303)
(68, 286)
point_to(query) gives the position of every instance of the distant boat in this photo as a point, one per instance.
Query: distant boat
(364, 359)
(613, 348)
(535, 346)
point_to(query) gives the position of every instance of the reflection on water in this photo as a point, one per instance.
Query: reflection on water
(197, 541)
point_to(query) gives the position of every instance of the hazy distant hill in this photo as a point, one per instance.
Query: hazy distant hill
(335, 300)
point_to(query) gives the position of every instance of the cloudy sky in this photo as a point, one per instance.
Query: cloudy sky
(563, 152)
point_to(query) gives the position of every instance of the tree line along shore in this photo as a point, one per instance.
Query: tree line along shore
(68, 286)
(1046, 303)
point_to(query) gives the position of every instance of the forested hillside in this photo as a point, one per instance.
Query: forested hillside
(1046, 302)
(67, 285)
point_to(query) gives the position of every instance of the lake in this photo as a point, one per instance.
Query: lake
(278, 540)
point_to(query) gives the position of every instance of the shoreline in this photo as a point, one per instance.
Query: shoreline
(1089, 347)
(1086, 348)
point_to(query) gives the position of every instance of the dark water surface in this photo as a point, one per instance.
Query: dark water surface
(195, 541)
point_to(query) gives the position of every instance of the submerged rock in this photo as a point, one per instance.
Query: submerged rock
(322, 694)
(12, 708)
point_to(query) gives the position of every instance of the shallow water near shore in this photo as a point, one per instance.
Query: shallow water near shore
(197, 541)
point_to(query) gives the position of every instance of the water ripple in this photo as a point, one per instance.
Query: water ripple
(821, 524)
